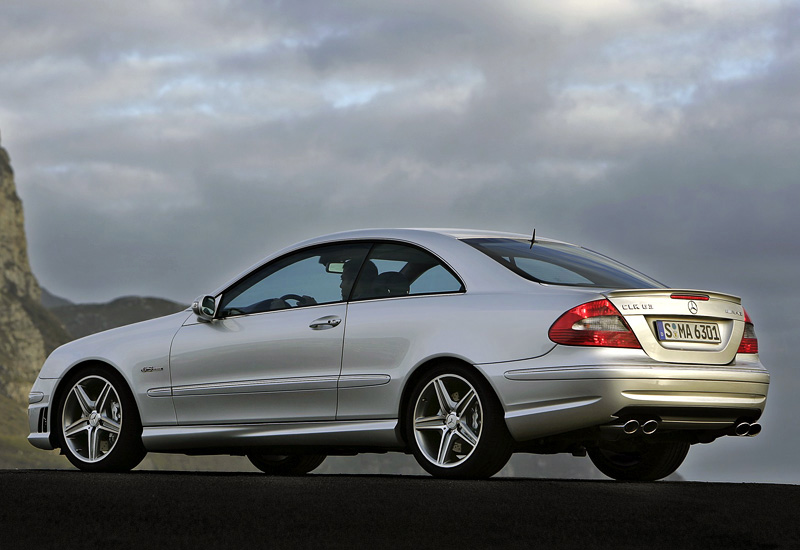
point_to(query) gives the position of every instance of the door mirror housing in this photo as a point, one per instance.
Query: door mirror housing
(205, 307)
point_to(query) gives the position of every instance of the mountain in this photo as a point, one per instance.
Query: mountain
(50, 300)
(83, 319)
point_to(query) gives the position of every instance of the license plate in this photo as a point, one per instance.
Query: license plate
(688, 331)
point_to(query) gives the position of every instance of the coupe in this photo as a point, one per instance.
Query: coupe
(458, 346)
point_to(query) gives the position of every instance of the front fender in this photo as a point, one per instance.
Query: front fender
(138, 352)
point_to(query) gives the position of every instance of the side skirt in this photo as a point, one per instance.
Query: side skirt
(361, 433)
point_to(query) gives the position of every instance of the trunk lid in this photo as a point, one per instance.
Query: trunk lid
(683, 326)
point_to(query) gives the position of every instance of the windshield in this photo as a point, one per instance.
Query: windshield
(561, 264)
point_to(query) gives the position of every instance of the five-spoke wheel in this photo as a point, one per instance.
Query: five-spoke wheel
(455, 424)
(447, 420)
(99, 424)
(92, 418)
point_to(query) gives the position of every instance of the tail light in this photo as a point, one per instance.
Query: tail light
(596, 323)
(749, 341)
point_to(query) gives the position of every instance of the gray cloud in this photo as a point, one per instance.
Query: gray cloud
(161, 148)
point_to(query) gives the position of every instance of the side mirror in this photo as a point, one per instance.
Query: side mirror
(205, 307)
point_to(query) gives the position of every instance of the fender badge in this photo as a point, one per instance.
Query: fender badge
(151, 369)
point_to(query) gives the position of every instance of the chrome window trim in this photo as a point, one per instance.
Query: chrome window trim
(243, 315)
(407, 296)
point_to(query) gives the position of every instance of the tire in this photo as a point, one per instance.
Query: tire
(455, 424)
(99, 429)
(282, 465)
(656, 461)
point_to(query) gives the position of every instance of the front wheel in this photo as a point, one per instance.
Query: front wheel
(98, 423)
(286, 465)
(650, 463)
(455, 425)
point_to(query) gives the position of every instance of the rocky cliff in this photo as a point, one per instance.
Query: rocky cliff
(28, 332)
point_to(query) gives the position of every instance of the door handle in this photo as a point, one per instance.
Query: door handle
(325, 322)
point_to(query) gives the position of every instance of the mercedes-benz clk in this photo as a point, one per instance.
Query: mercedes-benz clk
(458, 346)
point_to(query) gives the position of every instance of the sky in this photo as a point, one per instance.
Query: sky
(160, 148)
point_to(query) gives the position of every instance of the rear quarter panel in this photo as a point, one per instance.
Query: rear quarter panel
(396, 336)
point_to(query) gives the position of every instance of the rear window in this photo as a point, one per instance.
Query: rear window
(562, 264)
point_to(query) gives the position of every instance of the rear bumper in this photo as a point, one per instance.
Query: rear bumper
(542, 399)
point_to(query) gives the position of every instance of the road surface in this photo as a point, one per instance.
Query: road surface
(42, 509)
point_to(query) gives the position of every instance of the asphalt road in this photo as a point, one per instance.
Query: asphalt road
(42, 509)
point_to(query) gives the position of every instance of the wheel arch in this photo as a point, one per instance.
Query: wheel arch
(61, 387)
(420, 371)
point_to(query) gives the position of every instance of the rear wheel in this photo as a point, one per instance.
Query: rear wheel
(655, 461)
(286, 465)
(455, 425)
(99, 426)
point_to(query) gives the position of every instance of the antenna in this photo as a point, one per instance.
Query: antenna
(533, 237)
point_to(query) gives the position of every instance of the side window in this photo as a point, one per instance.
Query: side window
(402, 270)
(308, 277)
(434, 280)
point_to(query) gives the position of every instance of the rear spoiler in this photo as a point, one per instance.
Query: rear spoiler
(685, 294)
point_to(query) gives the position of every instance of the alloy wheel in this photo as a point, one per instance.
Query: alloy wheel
(92, 418)
(448, 420)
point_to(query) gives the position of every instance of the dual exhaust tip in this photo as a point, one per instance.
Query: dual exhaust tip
(613, 432)
(647, 427)
(743, 429)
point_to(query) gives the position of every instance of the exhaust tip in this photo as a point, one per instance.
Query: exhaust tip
(742, 429)
(650, 427)
(755, 429)
(630, 427)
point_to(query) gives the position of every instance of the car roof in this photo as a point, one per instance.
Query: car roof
(474, 233)
(432, 238)
(415, 232)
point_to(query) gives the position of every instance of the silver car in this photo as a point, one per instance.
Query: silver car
(461, 347)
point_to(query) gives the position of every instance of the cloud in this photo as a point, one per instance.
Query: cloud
(363, 108)
(161, 148)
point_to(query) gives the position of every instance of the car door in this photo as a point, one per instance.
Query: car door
(273, 352)
(406, 304)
